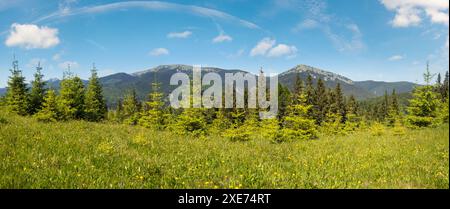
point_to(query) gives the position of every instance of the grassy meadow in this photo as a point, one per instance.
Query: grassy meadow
(93, 155)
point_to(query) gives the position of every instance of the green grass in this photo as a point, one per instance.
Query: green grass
(89, 155)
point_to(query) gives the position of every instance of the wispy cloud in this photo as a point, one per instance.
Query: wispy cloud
(153, 6)
(184, 34)
(316, 17)
(159, 52)
(396, 58)
(222, 38)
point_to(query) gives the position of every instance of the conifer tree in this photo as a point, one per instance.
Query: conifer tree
(118, 116)
(37, 91)
(395, 107)
(352, 105)
(17, 91)
(297, 124)
(49, 111)
(131, 108)
(298, 89)
(95, 104)
(154, 116)
(385, 106)
(339, 105)
(423, 106)
(320, 107)
(309, 90)
(284, 100)
(71, 99)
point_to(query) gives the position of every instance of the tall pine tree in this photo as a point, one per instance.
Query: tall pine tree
(17, 91)
(37, 91)
(71, 100)
(423, 106)
(95, 105)
(49, 111)
(131, 108)
(154, 116)
(320, 107)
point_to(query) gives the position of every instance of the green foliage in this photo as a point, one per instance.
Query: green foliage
(95, 104)
(154, 117)
(191, 122)
(49, 111)
(71, 98)
(423, 107)
(37, 92)
(17, 92)
(298, 125)
(321, 105)
(444, 112)
(284, 101)
(377, 129)
(131, 108)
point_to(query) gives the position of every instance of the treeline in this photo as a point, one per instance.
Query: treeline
(74, 101)
(304, 113)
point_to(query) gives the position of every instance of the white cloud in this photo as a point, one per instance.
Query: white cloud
(32, 36)
(159, 52)
(282, 50)
(184, 34)
(262, 47)
(411, 12)
(267, 47)
(222, 38)
(396, 58)
(306, 24)
(66, 64)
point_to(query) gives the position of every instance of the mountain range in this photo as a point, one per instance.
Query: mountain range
(115, 86)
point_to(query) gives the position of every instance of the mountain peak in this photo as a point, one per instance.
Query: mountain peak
(316, 72)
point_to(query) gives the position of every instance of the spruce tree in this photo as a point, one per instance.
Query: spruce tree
(284, 101)
(423, 106)
(340, 108)
(309, 90)
(95, 105)
(37, 91)
(298, 89)
(131, 108)
(71, 99)
(17, 91)
(393, 110)
(385, 106)
(154, 116)
(297, 124)
(49, 111)
(320, 107)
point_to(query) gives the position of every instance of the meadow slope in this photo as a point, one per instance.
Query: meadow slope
(91, 155)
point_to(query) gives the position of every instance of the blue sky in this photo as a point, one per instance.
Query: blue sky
(388, 40)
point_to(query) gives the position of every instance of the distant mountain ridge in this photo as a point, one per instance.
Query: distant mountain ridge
(117, 85)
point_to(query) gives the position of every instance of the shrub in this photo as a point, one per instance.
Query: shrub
(377, 129)
(419, 121)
